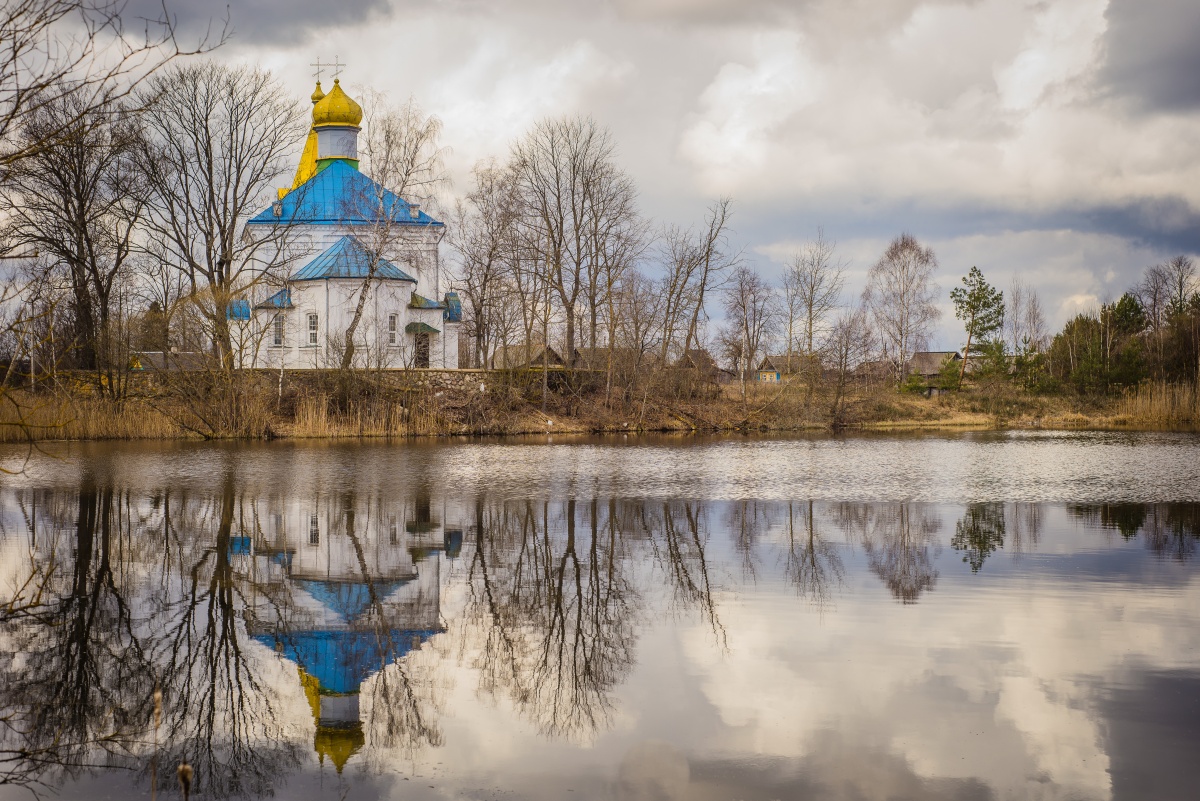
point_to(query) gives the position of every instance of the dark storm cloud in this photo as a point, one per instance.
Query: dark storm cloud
(259, 21)
(1151, 53)
(1153, 730)
(1166, 223)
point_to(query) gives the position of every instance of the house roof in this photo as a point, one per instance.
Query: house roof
(782, 363)
(698, 359)
(348, 258)
(341, 195)
(929, 362)
(528, 354)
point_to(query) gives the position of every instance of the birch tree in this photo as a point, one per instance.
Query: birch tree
(901, 296)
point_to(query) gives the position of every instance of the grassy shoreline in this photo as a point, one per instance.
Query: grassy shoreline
(314, 409)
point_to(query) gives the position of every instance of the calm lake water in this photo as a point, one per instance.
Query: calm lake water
(983, 616)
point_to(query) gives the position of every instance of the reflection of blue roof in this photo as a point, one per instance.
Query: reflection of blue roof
(341, 661)
(238, 310)
(239, 546)
(341, 195)
(453, 313)
(348, 258)
(280, 300)
(347, 599)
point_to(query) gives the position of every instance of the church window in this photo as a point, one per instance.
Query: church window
(393, 321)
(312, 329)
(314, 531)
(277, 330)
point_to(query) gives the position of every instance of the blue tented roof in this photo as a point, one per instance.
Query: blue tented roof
(348, 258)
(341, 661)
(341, 195)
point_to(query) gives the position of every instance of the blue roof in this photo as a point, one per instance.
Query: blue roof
(348, 258)
(238, 310)
(341, 195)
(341, 661)
(453, 313)
(280, 300)
(347, 599)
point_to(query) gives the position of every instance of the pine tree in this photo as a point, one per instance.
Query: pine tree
(981, 308)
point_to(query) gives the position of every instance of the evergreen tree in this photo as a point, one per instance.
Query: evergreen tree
(981, 308)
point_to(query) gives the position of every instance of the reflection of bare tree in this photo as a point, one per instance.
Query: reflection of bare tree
(1025, 526)
(1172, 529)
(898, 538)
(747, 522)
(812, 561)
(979, 533)
(222, 717)
(76, 682)
(675, 533)
(556, 612)
(1168, 529)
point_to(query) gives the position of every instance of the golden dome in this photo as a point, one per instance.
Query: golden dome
(336, 108)
(317, 94)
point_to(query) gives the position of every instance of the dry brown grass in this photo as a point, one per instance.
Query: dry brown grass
(26, 416)
(1160, 405)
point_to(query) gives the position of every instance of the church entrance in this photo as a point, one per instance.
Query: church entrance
(421, 351)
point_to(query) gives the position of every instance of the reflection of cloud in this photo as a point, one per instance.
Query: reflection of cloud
(999, 691)
(653, 771)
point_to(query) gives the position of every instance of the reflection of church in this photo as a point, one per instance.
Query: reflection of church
(344, 589)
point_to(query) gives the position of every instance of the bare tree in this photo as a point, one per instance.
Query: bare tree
(77, 56)
(752, 310)
(848, 345)
(574, 198)
(1153, 292)
(812, 288)
(1181, 277)
(696, 263)
(483, 236)
(1024, 323)
(900, 294)
(217, 141)
(76, 201)
(404, 161)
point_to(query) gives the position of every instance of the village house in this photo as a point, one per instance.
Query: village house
(780, 367)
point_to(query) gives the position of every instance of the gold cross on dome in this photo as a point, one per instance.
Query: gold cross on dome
(318, 65)
(337, 67)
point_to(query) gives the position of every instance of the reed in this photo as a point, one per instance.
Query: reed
(28, 416)
(1160, 405)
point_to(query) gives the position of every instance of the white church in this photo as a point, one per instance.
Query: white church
(351, 235)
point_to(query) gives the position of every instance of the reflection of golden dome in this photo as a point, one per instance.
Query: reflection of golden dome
(336, 108)
(338, 743)
(317, 94)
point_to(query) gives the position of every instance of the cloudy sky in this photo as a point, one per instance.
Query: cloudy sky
(1055, 141)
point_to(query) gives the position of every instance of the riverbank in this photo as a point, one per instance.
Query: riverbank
(313, 406)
